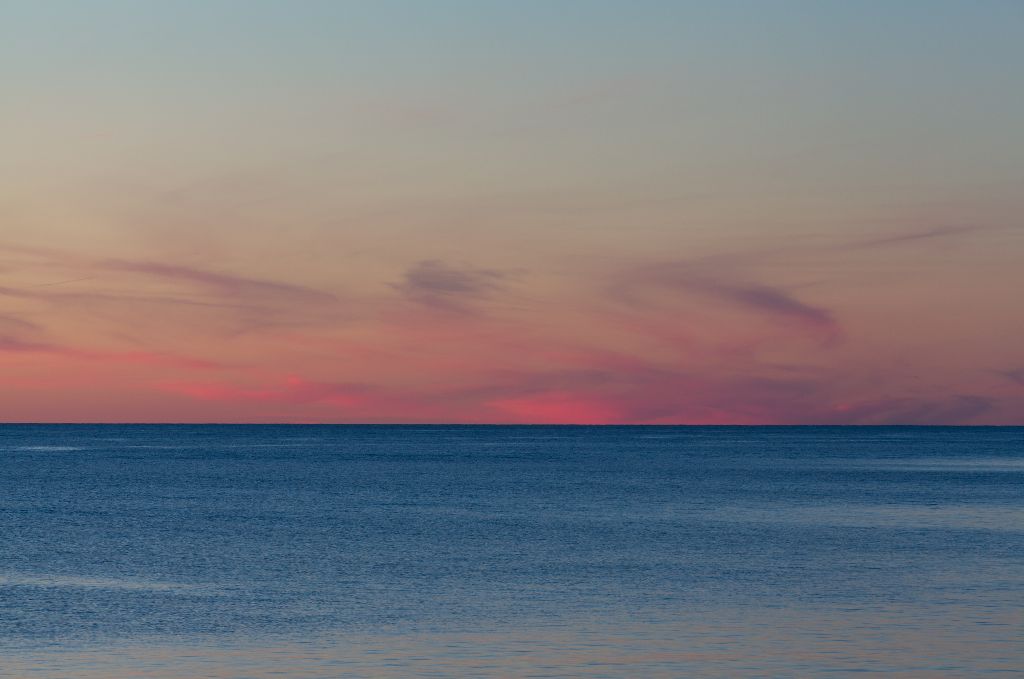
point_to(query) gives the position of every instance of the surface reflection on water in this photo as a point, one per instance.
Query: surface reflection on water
(937, 642)
(380, 551)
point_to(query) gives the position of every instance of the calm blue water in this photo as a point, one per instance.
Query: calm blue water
(320, 551)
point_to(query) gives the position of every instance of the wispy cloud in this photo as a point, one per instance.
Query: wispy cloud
(955, 409)
(13, 322)
(737, 291)
(117, 288)
(229, 284)
(666, 396)
(613, 390)
(1015, 375)
(9, 344)
(437, 284)
(914, 236)
(93, 268)
(13, 344)
(765, 299)
(294, 390)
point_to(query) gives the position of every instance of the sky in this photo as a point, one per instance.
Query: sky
(512, 212)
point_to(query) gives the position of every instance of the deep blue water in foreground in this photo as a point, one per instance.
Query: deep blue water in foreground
(323, 551)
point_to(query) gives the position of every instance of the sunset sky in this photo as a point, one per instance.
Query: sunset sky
(540, 211)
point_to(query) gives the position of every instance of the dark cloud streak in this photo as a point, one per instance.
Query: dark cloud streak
(233, 285)
(770, 301)
(1016, 375)
(440, 285)
(914, 236)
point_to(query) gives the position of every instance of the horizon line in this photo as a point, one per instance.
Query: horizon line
(489, 424)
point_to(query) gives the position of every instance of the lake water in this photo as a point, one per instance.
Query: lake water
(392, 551)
